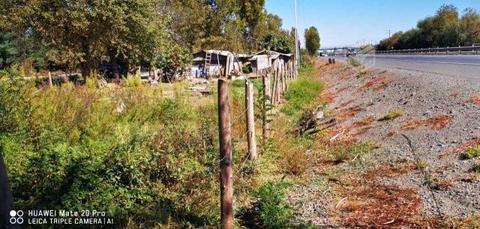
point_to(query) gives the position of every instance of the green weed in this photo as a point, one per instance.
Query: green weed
(301, 94)
(471, 152)
(390, 116)
(274, 212)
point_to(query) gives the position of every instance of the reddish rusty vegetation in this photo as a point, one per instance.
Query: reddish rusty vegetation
(361, 131)
(462, 147)
(327, 97)
(378, 205)
(348, 112)
(393, 170)
(364, 122)
(371, 204)
(391, 133)
(436, 123)
(377, 83)
(475, 99)
(444, 184)
(342, 105)
(348, 73)
(361, 126)
(454, 94)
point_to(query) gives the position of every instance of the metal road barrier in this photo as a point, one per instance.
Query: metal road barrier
(474, 49)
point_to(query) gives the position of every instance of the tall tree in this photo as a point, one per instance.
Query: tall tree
(251, 11)
(470, 24)
(206, 24)
(85, 32)
(312, 40)
(445, 28)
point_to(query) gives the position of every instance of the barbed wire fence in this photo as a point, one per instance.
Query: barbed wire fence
(267, 97)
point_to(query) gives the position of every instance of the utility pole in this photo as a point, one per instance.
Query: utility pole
(297, 50)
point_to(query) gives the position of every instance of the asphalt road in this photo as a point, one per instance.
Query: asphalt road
(459, 66)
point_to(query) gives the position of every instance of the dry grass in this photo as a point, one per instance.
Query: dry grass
(436, 123)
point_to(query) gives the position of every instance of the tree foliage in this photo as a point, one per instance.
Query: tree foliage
(153, 33)
(312, 40)
(445, 28)
(271, 36)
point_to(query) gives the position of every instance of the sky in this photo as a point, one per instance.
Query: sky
(356, 22)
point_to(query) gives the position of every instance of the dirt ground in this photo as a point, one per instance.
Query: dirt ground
(416, 177)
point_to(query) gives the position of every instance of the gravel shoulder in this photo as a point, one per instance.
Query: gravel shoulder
(440, 117)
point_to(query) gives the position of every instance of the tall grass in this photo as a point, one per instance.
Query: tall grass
(148, 156)
(143, 157)
(302, 93)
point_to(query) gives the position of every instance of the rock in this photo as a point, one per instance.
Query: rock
(319, 115)
(427, 113)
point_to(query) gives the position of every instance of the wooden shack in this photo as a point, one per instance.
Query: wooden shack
(214, 63)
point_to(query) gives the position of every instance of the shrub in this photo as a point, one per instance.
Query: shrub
(354, 62)
(133, 81)
(344, 153)
(127, 151)
(274, 212)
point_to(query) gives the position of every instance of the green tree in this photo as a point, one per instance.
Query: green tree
(198, 25)
(470, 24)
(9, 52)
(312, 40)
(251, 11)
(86, 32)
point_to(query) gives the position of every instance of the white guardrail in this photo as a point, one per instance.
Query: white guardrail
(474, 49)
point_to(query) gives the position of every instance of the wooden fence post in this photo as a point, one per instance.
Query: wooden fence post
(226, 171)
(274, 87)
(266, 106)
(251, 140)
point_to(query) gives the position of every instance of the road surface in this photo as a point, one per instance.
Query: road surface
(459, 66)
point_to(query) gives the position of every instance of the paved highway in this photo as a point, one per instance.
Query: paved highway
(460, 66)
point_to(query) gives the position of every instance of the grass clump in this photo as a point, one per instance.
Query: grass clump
(274, 212)
(343, 153)
(301, 94)
(471, 152)
(390, 116)
(354, 62)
